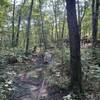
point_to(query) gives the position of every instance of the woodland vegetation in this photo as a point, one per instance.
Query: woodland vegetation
(49, 50)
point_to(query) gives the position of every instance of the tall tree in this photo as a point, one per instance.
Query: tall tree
(81, 10)
(28, 27)
(74, 36)
(62, 36)
(55, 17)
(19, 23)
(13, 24)
(95, 13)
(42, 25)
(18, 30)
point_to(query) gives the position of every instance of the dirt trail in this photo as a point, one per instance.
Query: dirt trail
(30, 86)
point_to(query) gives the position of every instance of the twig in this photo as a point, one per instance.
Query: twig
(38, 98)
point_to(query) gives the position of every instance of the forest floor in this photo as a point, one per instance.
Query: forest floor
(30, 85)
(29, 81)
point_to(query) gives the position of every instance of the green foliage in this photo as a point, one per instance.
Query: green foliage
(55, 74)
(4, 3)
(5, 81)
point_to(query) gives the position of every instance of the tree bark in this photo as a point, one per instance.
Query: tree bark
(42, 26)
(13, 29)
(52, 31)
(18, 30)
(95, 13)
(74, 36)
(55, 16)
(63, 27)
(28, 27)
(80, 15)
(62, 35)
(19, 23)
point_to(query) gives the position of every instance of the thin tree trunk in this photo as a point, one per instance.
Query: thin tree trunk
(19, 23)
(52, 31)
(1, 41)
(17, 36)
(55, 16)
(59, 25)
(74, 36)
(79, 16)
(63, 27)
(59, 33)
(13, 29)
(62, 35)
(95, 13)
(42, 27)
(28, 27)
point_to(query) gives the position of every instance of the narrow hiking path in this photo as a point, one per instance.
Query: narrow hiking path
(33, 86)
(29, 82)
(30, 85)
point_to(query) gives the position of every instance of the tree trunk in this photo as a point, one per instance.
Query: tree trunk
(63, 27)
(13, 29)
(55, 16)
(28, 27)
(80, 14)
(18, 30)
(74, 36)
(42, 26)
(19, 23)
(62, 35)
(95, 13)
(79, 17)
(52, 31)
